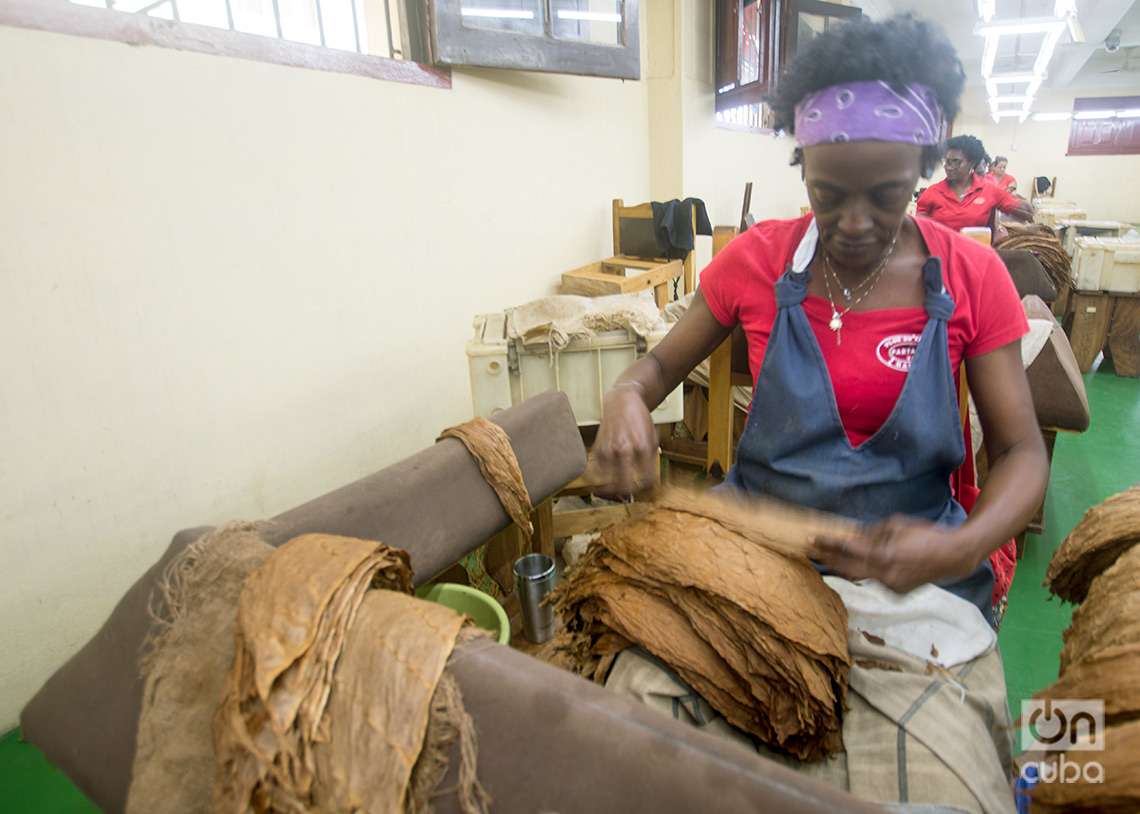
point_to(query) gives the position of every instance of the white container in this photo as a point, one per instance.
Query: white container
(1049, 214)
(1089, 228)
(1106, 264)
(505, 371)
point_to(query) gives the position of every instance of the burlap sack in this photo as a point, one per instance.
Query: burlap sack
(911, 734)
(324, 710)
(185, 667)
(358, 713)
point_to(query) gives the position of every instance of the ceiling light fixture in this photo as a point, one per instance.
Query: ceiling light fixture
(1046, 52)
(594, 16)
(497, 13)
(1094, 114)
(1029, 25)
(989, 56)
(1052, 117)
(993, 82)
(988, 8)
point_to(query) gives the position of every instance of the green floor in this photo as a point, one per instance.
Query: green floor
(1086, 469)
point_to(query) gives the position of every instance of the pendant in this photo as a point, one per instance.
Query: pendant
(847, 294)
(836, 321)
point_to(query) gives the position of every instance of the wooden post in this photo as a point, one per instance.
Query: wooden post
(1092, 313)
(618, 204)
(543, 519)
(720, 418)
(1124, 336)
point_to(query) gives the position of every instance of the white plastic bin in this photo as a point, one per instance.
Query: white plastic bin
(505, 371)
(1106, 264)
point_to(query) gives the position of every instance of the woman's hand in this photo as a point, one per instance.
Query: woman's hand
(902, 553)
(625, 450)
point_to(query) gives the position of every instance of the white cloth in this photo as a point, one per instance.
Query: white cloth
(929, 623)
(1035, 341)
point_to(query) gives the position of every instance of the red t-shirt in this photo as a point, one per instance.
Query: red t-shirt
(1006, 182)
(868, 370)
(974, 209)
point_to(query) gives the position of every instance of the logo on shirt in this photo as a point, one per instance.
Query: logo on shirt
(980, 200)
(897, 351)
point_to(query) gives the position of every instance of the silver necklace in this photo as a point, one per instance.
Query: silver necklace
(836, 323)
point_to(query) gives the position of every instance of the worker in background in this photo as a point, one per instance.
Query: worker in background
(964, 198)
(999, 177)
(844, 305)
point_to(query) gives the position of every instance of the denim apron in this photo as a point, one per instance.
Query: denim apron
(795, 448)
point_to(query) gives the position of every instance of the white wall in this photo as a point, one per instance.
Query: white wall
(227, 287)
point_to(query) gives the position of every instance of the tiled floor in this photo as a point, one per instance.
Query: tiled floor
(1086, 469)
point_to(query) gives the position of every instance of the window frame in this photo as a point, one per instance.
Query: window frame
(820, 8)
(729, 15)
(780, 34)
(141, 29)
(454, 44)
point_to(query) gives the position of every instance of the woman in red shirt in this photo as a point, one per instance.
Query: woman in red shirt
(857, 318)
(965, 198)
(999, 177)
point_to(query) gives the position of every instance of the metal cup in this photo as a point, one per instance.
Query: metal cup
(534, 579)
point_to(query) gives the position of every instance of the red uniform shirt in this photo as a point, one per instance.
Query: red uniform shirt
(974, 209)
(1006, 182)
(868, 370)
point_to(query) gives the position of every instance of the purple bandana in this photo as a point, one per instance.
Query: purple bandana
(870, 111)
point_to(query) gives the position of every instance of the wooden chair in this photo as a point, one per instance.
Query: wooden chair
(728, 366)
(635, 247)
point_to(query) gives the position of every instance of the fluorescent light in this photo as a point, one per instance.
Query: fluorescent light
(989, 55)
(497, 13)
(1051, 117)
(1094, 114)
(988, 8)
(1128, 113)
(995, 80)
(1011, 100)
(1028, 25)
(1046, 52)
(1003, 114)
(1034, 85)
(594, 16)
(1063, 8)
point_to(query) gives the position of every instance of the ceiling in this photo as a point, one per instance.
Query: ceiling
(1076, 68)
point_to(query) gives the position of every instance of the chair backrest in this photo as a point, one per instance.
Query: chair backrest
(633, 231)
(634, 236)
(722, 235)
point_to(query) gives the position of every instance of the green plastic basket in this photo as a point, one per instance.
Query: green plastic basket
(484, 609)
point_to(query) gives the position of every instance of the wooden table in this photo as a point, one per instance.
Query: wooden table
(609, 277)
(1105, 321)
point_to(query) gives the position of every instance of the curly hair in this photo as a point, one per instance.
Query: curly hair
(901, 50)
(971, 147)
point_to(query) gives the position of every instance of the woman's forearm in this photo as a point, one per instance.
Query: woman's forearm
(1015, 485)
(645, 377)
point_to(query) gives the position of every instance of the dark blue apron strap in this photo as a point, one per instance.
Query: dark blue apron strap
(937, 300)
(792, 287)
